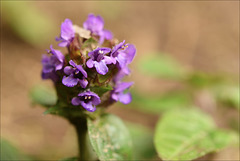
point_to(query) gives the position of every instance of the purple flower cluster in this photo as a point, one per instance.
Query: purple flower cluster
(101, 58)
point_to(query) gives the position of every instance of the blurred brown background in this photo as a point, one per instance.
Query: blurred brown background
(200, 35)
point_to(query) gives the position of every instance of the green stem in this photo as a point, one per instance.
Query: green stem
(85, 150)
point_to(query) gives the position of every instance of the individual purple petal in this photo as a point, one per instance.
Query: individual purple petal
(118, 94)
(94, 23)
(122, 86)
(80, 68)
(47, 66)
(58, 54)
(88, 106)
(130, 52)
(104, 34)
(123, 72)
(67, 33)
(109, 60)
(83, 83)
(67, 30)
(68, 70)
(52, 64)
(53, 76)
(63, 44)
(125, 98)
(107, 34)
(76, 101)
(122, 60)
(90, 63)
(69, 81)
(115, 96)
(116, 48)
(101, 67)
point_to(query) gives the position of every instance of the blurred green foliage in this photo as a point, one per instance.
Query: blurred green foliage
(43, 95)
(29, 23)
(160, 103)
(142, 137)
(187, 135)
(162, 66)
(10, 153)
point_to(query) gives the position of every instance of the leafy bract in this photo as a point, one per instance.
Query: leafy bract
(187, 135)
(110, 138)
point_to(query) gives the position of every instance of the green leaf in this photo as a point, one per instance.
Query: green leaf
(110, 138)
(161, 65)
(101, 90)
(10, 152)
(187, 135)
(43, 95)
(142, 138)
(161, 103)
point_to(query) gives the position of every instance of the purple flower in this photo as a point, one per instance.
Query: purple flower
(52, 64)
(87, 100)
(123, 54)
(99, 60)
(75, 75)
(95, 24)
(67, 33)
(121, 73)
(118, 93)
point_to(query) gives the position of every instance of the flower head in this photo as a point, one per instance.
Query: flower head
(95, 24)
(52, 64)
(67, 33)
(99, 60)
(119, 95)
(76, 74)
(87, 100)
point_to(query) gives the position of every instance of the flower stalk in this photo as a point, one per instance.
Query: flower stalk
(84, 148)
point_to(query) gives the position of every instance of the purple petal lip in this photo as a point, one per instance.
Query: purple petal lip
(67, 33)
(117, 47)
(118, 93)
(122, 86)
(130, 52)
